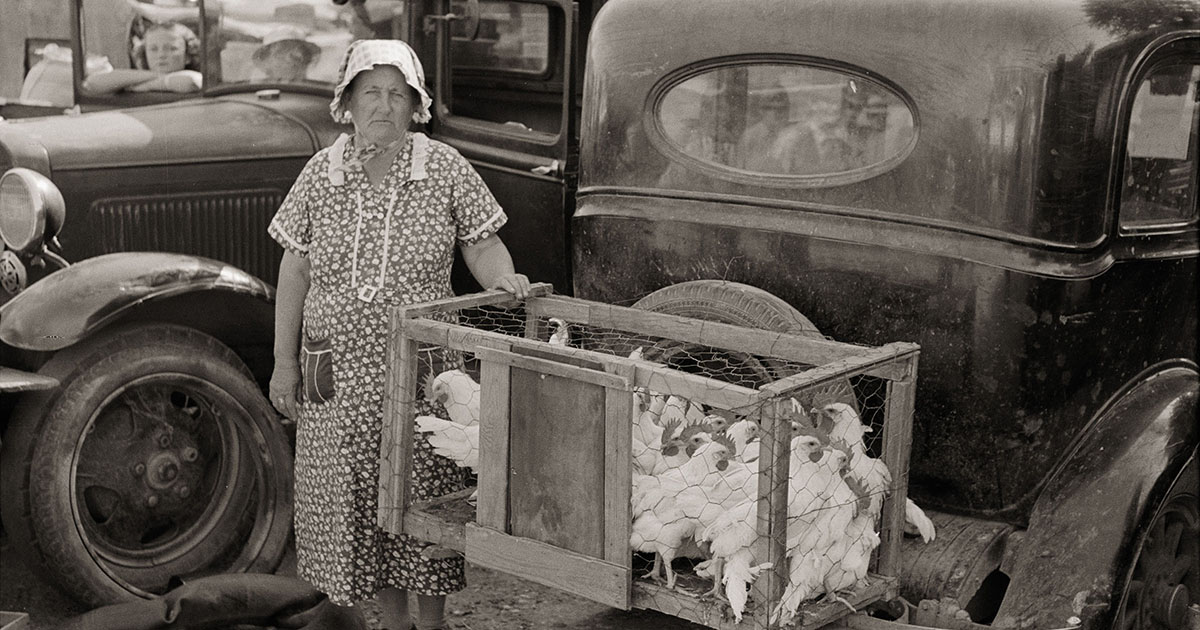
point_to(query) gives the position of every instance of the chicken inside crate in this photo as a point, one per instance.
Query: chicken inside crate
(730, 476)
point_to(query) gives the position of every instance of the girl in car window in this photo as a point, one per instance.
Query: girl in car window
(167, 60)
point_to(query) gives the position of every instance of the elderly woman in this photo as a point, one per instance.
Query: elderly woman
(372, 221)
(168, 60)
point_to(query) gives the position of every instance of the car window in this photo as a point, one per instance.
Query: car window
(501, 69)
(131, 37)
(786, 120)
(510, 36)
(1160, 181)
(278, 41)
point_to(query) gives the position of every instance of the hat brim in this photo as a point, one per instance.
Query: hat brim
(310, 49)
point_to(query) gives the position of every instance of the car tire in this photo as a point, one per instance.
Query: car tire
(157, 457)
(751, 307)
(1164, 575)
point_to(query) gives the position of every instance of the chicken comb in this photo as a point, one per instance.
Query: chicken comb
(669, 431)
(690, 430)
(863, 500)
(725, 440)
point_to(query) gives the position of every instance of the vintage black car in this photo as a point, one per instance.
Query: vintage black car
(1012, 185)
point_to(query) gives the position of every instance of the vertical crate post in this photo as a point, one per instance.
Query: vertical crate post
(491, 508)
(773, 475)
(897, 442)
(618, 471)
(395, 444)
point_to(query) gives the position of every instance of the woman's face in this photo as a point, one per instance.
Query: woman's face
(165, 51)
(381, 104)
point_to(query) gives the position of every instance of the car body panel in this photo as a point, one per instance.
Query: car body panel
(73, 303)
(148, 136)
(990, 244)
(1067, 565)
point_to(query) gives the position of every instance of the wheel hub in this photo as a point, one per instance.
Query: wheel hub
(1169, 604)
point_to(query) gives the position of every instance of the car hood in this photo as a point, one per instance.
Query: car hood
(209, 129)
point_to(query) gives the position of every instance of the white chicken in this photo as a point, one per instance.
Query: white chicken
(743, 432)
(817, 510)
(561, 332)
(734, 564)
(452, 440)
(661, 522)
(846, 425)
(458, 393)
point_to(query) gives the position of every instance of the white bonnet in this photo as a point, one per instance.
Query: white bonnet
(365, 54)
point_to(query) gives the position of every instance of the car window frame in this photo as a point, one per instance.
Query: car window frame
(1185, 50)
(658, 137)
(479, 130)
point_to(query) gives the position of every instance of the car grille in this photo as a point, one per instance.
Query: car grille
(230, 226)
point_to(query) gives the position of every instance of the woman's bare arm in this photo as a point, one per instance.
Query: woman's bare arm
(492, 266)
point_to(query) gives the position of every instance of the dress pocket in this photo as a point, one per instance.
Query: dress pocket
(316, 369)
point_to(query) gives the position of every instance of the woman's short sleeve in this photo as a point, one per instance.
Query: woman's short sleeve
(292, 225)
(477, 214)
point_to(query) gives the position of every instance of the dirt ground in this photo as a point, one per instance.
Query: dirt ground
(491, 601)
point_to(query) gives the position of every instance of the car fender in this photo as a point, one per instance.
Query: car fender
(1070, 566)
(71, 304)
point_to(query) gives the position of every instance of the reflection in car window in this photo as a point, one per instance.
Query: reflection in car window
(1159, 187)
(278, 41)
(786, 119)
(136, 46)
(511, 36)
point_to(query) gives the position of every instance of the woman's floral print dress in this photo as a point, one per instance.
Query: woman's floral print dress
(370, 248)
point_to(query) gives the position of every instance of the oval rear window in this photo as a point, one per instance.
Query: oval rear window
(787, 120)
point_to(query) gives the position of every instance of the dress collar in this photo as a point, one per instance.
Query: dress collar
(340, 163)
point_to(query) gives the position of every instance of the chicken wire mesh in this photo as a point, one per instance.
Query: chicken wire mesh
(709, 541)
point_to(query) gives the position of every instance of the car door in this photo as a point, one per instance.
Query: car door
(504, 98)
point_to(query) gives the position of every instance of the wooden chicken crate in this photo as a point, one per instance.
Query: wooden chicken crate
(554, 473)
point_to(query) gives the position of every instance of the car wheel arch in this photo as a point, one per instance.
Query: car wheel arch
(1073, 558)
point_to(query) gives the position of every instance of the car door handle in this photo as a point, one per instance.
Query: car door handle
(554, 168)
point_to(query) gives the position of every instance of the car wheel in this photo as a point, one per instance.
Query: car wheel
(156, 457)
(1165, 578)
(742, 305)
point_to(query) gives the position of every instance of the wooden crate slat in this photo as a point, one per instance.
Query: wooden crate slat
(492, 505)
(707, 612)
(553, 368)
(545, 564)
(775, 450)
(897, 443)
(816, 614)
(395, 444)
(876, 362)
(789, 346)
(494, 297)
(646, 374)
(424, 526)
(556, 457)
(618, 471)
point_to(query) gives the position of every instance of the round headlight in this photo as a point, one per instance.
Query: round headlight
(31, 210)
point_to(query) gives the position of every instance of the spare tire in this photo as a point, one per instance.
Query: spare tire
(156, 457)
(741, 305)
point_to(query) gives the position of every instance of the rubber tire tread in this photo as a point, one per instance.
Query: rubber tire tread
(28, 422)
